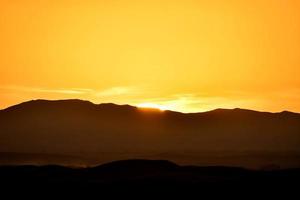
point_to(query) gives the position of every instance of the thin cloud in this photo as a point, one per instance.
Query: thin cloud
(78, 91)
(116, 91)
(109, 92)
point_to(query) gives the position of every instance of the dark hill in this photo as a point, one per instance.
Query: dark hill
(148, 176)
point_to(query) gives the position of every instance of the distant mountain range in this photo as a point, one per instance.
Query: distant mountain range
(112, 132)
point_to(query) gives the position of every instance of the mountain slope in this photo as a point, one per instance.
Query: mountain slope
(75, 127)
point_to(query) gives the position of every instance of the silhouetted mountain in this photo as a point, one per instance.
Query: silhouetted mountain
(134, 176)
(107, 132)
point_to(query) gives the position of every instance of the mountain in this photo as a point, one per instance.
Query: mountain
(106, 132)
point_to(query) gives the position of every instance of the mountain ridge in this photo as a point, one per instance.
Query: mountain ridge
(89, 103)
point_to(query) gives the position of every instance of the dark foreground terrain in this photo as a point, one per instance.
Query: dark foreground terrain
(148, 176)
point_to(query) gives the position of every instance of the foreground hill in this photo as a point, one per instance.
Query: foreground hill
(105, 132)
(147, 176)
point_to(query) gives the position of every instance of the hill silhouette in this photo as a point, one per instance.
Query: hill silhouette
(147, 176)
(101, 133)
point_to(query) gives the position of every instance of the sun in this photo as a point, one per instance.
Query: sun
(153, 105)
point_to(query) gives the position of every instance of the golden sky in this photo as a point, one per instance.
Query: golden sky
(183, 55)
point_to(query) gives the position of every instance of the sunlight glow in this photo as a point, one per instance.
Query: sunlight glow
(153, 105)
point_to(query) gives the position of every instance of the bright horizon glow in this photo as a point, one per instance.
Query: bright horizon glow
(154, 106)
(182, 55)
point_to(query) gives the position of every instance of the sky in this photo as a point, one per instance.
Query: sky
(182, 55)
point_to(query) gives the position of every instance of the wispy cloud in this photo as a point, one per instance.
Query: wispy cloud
(116, 91)
(47, 90)
(108, 92)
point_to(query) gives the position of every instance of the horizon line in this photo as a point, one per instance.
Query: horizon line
(89, 101)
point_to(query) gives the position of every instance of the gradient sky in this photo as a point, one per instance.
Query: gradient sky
(188, 55)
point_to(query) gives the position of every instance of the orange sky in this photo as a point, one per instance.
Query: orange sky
(187, 55)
